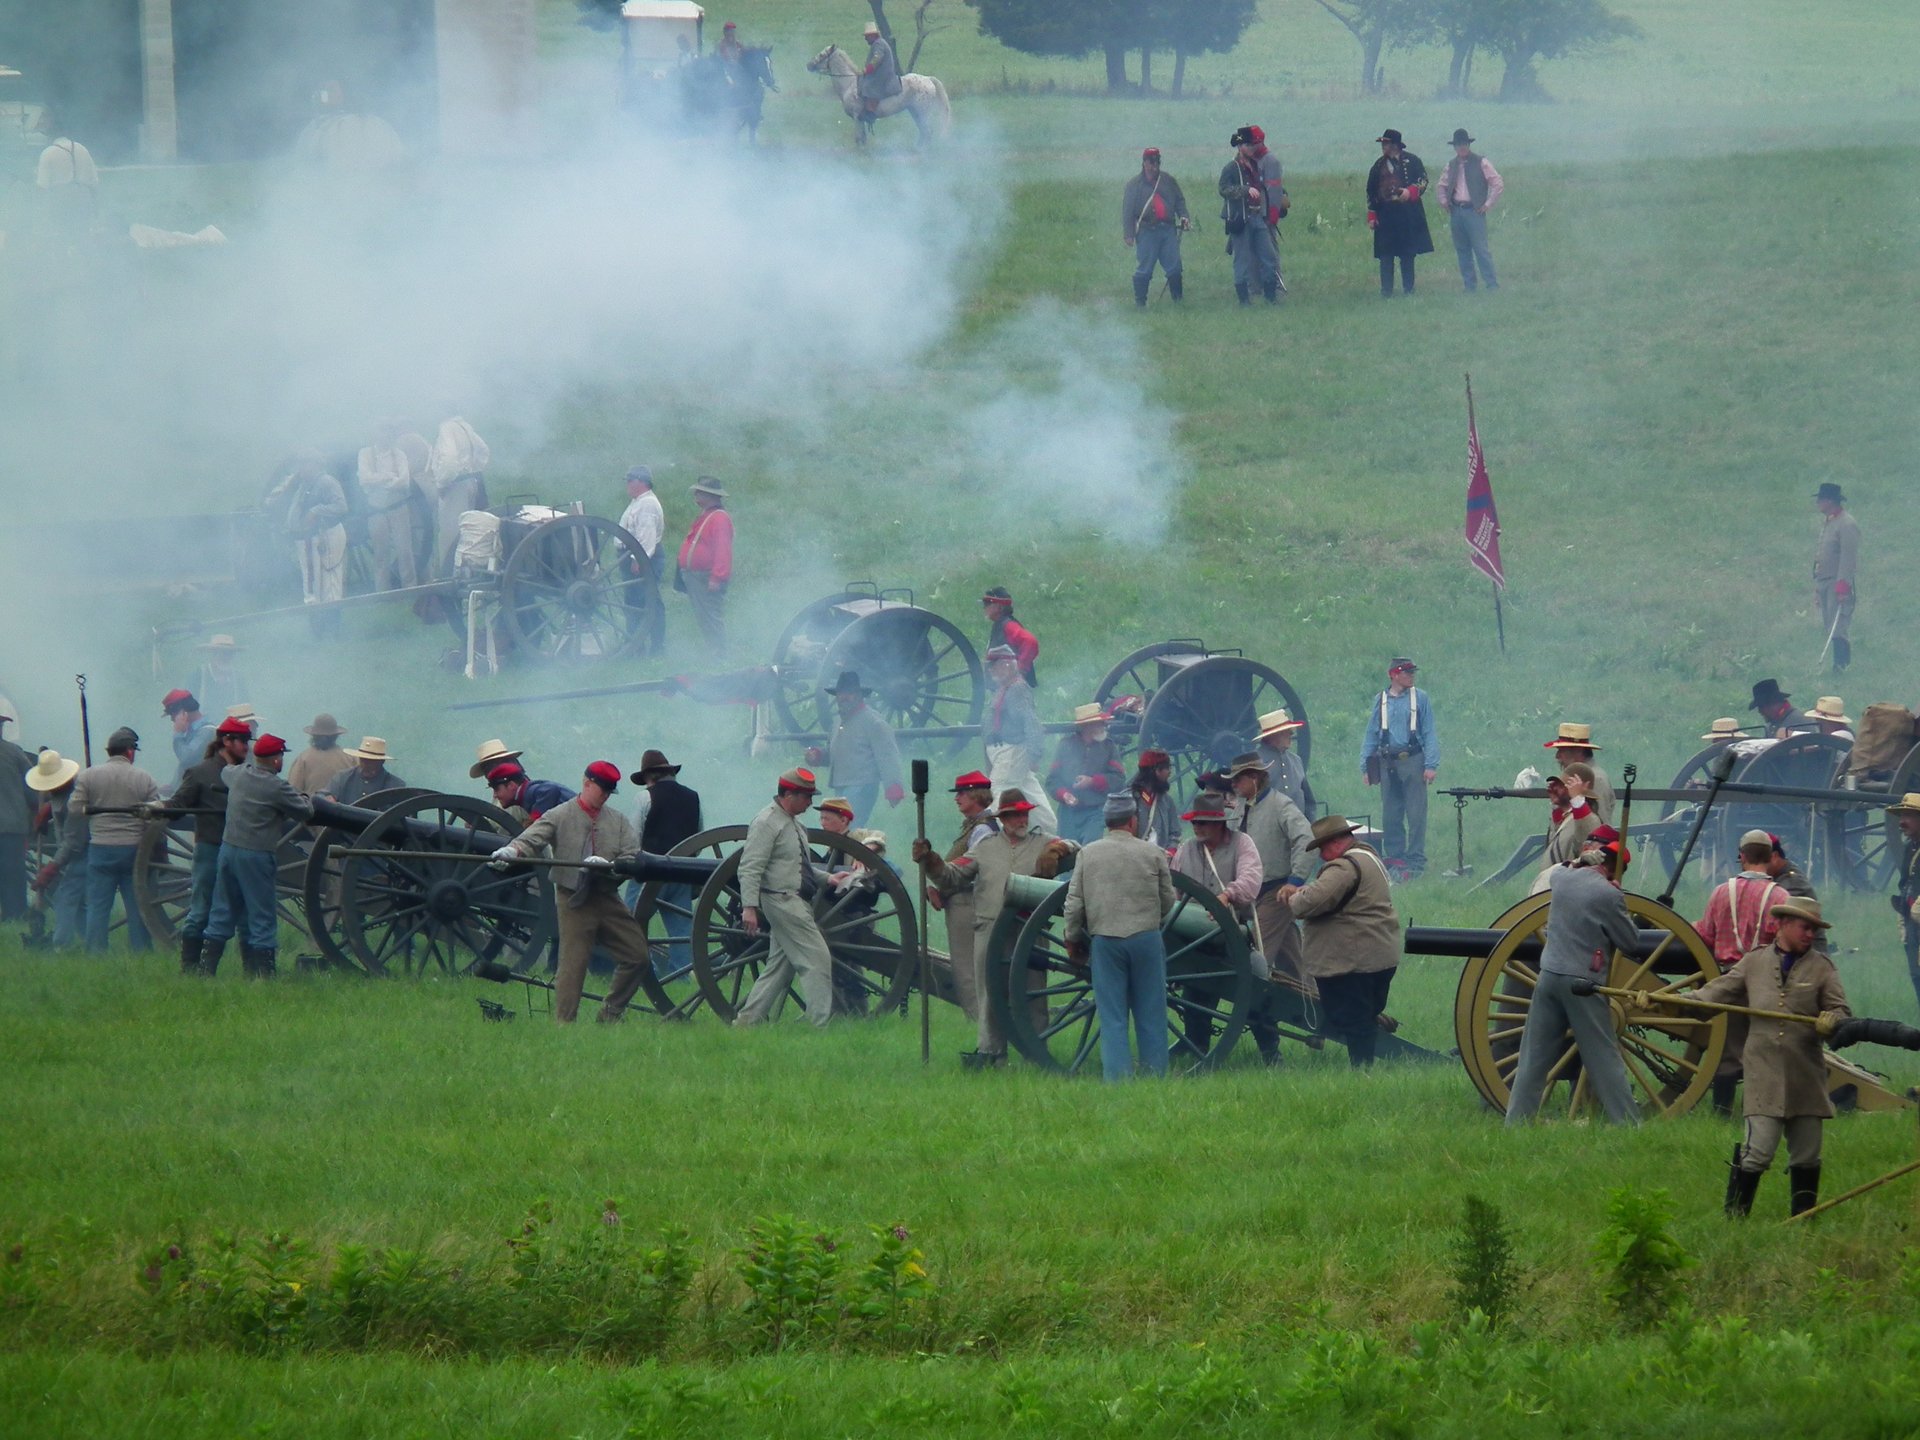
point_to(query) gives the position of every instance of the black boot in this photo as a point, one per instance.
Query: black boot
(1240, 292)
(1176, 287)
(1741, 1187)
(259, 963)
(1272, 291)
(1141, 285)
(210, 953)
(1723, 1088)
(190, 948)
(1803, 1187)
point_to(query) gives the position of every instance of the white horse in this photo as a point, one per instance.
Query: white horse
(921, 96)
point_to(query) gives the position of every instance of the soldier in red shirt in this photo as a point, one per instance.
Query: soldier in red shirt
(706, 561)
(1003, 629)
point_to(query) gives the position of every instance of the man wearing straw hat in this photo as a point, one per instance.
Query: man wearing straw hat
(1121, 889)
(1829, 715)
(51, 780)
(323, 761)
(1086, 771)
(1351, 936)
(1287, 772)
(863, 755)
(1575, 742)
(1227, 862)
(1401, 754)
(1014, 847)
(1012, 735)
(587, 835)
(1786, 1078)
(16, 823)
(490, 754)
(775, 866)
(368, 775)
(705, 566)
(1836, 564)
(219, 684)
(260, 802)
(1906, 897)
(203, 791)
(1724, 731)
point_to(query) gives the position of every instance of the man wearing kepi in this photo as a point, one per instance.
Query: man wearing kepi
(1351, 936)
(587, 835)
(1786, 1079)
(973, 798)
(1250, 195)
(1401, 755)
(863, 753)
(1121, 888)
(1587, 920)
(260, 803)
(203, 791)
(191, 731)
(1153, 216)
(774, 869)
(1835, 568)
(1469, 188)
(122, 788)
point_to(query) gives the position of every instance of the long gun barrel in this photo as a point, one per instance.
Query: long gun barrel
(1733, 792)
(1475, 944)
(644, 867)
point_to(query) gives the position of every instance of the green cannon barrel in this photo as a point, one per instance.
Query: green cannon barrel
(1025, 892)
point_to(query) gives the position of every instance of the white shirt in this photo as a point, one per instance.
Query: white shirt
(457, 450)
(645, 521)
(66, 162)
(384, 474)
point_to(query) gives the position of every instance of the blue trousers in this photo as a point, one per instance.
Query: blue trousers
(1256, 257)
(206, 870)
(110, 873)
(1470, 244)
(70, 904)
(1130, 978)
(245, 893)
(1156, 243)
(678, 923)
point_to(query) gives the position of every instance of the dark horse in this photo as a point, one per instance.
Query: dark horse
(715, 91)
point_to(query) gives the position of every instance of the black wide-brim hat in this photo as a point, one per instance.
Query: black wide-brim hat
(849, 681)
(1460, 137)
(1391, 137)
(1766, 694)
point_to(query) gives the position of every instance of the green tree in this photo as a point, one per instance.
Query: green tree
(1521, 33)
(1191, 27)
(1076, 28)
(1379, 25)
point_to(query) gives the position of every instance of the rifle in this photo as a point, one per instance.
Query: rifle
(1718, 770)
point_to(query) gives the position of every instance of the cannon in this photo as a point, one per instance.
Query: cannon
(1045, 998)
(1670, 1057)
(1201, 706)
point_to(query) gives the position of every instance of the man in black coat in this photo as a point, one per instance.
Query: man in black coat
(673, 815)
(1395, 211)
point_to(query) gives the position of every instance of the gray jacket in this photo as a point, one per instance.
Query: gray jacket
(116, 785)
(573, 834)
(1283, 834)
(350, 787)
(985, 870)
(864, 751)
(259, 805)
(881, 77)
(1121, 886)
(775, 858)
(1587, 921)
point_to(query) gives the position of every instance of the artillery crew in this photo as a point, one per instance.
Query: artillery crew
(1121, 889)
(203, 791)
(1285, 769)
(1786, 1078)
(1351, 936)
(1227, 863)
(317, 766)
(65, 876)
(1739, 920)
(192, 731)
(973, 798)
(525, 800)
(367, 773)
(1284, 838)
(1836, 564)
(776, 872)
(1573, 742)
(588, 837)
(1152, 787)
(1012, 735)
(113, 797)
(260, 803)
(1153, 216)
(1003, 628)
(863, 755)
(1587, 921)
(1086, 772)
(1572, 819)
(314, 520)
(1014, 848)
(16, 823)
(673, 815)
(1401, 754)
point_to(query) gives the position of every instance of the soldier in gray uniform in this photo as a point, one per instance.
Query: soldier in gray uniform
(1835, 568)
(1121, 888)
(880, 80)
(774, 871)
(260, 802)
(369, 775)
(1286, 771)
(203, 791)
(122, 788)
(1284, 839)
(864, 756)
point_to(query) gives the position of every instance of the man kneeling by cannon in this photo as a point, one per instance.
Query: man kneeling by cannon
(588, 837)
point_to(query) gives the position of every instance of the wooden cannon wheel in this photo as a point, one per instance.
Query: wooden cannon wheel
(1880, 856)
(320, 880)
(678, 998)
(875, 950)
(1046, 1000)
(1670, 1057)
(163, 878)
(1822, 840)
(1208, 711)
(578, 589)
(1141, 674)
(413, 917)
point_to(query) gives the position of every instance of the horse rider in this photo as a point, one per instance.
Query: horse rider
(880, 80)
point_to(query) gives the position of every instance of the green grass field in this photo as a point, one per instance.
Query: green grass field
(1705, 310)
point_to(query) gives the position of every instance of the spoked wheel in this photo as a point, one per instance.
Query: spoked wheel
(1881, 866)
(1670, 1058)
(163, 880)
(661, 904)
(578, 589)
(1047, 999)
(869, 929)
(1816, 837)
(1208, 710)
(1694, 775)
(412, 917)
(800, 655)
(320, 881)
(1133, 682)
(924, 672)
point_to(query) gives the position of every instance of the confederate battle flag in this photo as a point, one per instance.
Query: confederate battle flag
(1483, 521)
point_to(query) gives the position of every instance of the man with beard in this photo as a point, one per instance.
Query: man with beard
(1251, 207)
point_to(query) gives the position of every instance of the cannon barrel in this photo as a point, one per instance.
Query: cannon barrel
(1024, 892)
(354, 820)
(1737, 793)
(1474, 944)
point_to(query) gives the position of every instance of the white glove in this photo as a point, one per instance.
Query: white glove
(596, 862)
(504, 856)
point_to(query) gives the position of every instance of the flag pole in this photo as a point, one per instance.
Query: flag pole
(1499, 617)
